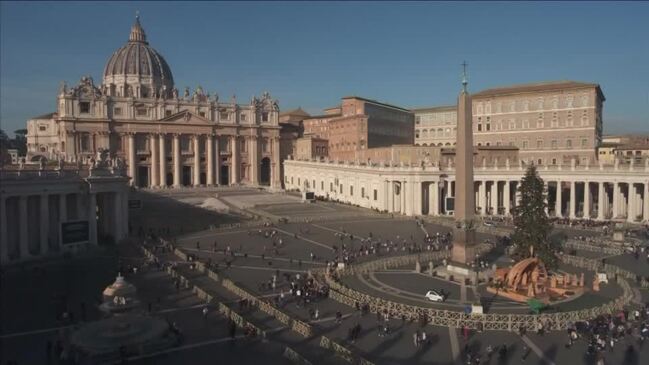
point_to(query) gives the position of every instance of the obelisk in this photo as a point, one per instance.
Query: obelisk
(464, 234)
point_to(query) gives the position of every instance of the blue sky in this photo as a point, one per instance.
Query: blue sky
(312, 54)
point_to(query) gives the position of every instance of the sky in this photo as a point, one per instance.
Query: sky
(310, 55)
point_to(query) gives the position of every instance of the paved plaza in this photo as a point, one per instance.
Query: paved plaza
(229, 233)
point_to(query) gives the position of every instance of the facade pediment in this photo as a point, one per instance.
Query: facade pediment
(186, 117)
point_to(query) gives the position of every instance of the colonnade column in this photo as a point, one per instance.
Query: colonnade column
(494, 197)
(587, 200)
(44, 221)
(482, 195)
(631, 203)
(132, 159)
(601, 196)
(92, 217)
(546, 188)
(209, 148)
(573, 200)
(390, 197)
(4, 243)
(234, 162)
(22, 226)
(163, 161)
(417, 196)
(616, 200)
(197, 160)
(176, 152)
(557, 203)
(507, 197)
(434, 198)
(154, 160)
(645, 202)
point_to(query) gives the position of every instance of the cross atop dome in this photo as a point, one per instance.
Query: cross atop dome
(137, 33)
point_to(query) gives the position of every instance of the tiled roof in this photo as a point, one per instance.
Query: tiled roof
(535, 87)
(443, 108)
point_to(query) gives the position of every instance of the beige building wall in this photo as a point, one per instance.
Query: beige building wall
(551, 122)
(436, 126)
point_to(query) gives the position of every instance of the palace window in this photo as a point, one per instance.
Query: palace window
(584, 142)
(525, 143)
(554, 144)
(84, 107)
(568, 143)
(375, 194)
(42, 128)
(141, 111)
(526, 124)
(539, 143)
(362, 192)
(341, 188)
(322, 185)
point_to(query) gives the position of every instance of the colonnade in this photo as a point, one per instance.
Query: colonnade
(33, 210)
(582, 193)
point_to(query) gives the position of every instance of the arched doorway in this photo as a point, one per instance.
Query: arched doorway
(203, 179)
(225, 175)
(37, 158)
(143, 176)
(187, 175)
(170, 179)
(265, 171)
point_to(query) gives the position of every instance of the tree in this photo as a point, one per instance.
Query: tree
(531, 223)
(20, 142)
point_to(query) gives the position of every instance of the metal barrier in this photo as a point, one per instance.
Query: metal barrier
(296, 325)
(343, 352)
(446, 318)
(295, 357)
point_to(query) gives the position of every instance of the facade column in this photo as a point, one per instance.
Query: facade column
(176, 151)
(586, 200)
(557, 203)
(253, 159)
(404, 198)
(132, 159)
(163, 161)
(234, 164)
(197, 160)
(209, 148)
(217, 161)
(616, 200)
(44, 221)
(645, 203)
(573, 200)
(631, 205)
(601, 196)
(276, 178)
(23, 226)
(494, 197)
(153, 147)
(92, 218)
(507, 198)
(4, 241)
(482, 191)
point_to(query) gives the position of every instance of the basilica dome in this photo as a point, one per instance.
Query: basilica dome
(136, 69)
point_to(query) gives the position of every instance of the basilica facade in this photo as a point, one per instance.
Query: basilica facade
(166, 137)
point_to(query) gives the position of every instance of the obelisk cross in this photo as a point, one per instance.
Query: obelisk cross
(464, 80)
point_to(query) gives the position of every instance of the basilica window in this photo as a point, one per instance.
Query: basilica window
(84, 107)
(117, 111)
(264, 117)
(202, 114)
(224, 115)
(42, 128)
(243, 117)
(142, 111)
(167, 113)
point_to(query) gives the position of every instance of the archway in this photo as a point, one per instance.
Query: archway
(37, 158)
(203, 179)
(143, 176)
(265, 171)
(169, 179)
(187, 175)
(225, 175)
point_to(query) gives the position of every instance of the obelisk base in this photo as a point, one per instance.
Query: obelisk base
(464, 249)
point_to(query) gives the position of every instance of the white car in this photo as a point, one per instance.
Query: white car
(489, 224)
(434, 296)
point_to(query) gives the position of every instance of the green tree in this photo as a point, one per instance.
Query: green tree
(531, 223)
